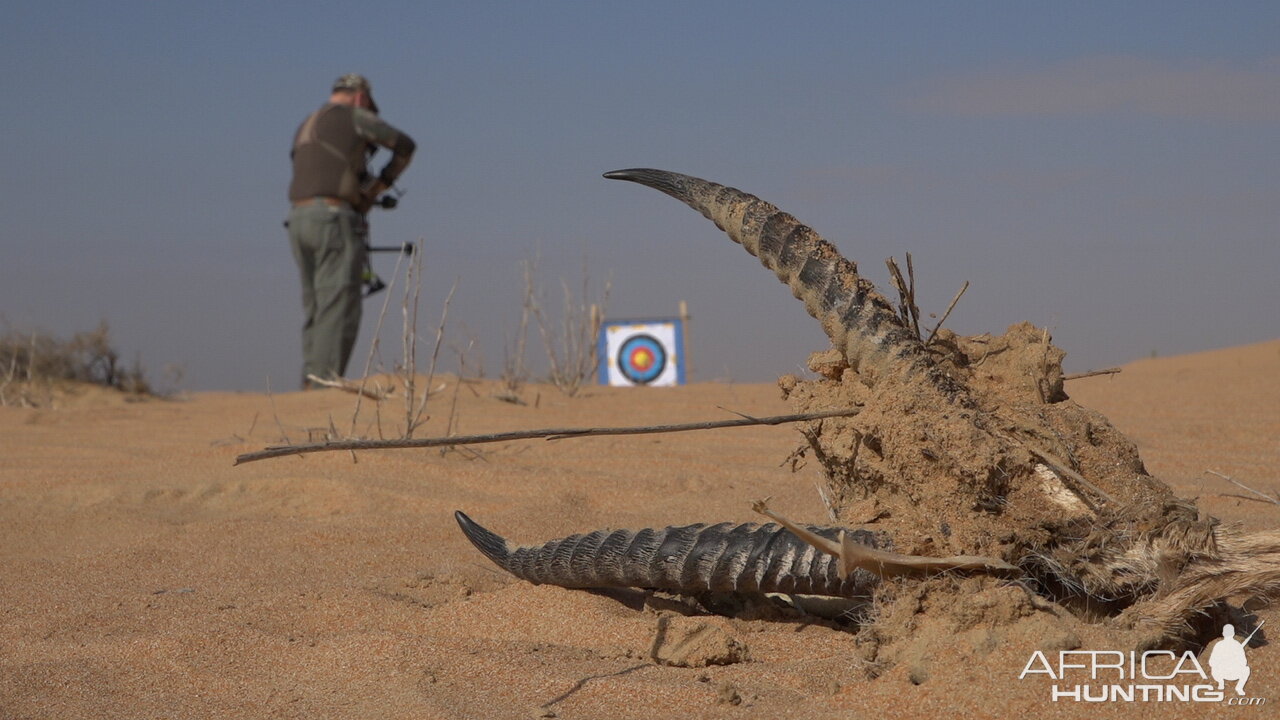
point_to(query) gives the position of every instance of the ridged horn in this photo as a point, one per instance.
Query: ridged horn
(746, 558)
(859, 320)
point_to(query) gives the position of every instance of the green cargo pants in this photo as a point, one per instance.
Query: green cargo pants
(328, 244)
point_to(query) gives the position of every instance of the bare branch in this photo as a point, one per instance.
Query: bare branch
(347, 386)
(570, 345)
(373, 346)
(1091, 373)
(911, 295)
(409, 338)
(414, 418)
(906, 294)
(1269, 498)
(279, 425)
(947, 314)
(514, 372)
(551, 433)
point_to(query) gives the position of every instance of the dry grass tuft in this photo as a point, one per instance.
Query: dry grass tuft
(33, 364)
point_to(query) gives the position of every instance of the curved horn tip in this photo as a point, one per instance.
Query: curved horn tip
(671, 183)
(470, 527)
(493, 546)
(629, 173)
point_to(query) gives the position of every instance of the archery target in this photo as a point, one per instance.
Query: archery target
(641, 353)
(641, 359)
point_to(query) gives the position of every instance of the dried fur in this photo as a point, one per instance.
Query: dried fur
(1238, 566)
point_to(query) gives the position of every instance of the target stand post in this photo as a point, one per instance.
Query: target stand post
(644, 352)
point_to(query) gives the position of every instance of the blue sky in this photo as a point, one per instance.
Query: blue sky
(1109, 170)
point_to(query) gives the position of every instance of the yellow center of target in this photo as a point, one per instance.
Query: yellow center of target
(642, 359)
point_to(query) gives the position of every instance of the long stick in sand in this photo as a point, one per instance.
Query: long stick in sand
(550, 434)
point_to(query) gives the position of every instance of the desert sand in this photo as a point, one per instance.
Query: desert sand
(142, 575)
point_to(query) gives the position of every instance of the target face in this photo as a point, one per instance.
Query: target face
(640, 353)
(641, 359)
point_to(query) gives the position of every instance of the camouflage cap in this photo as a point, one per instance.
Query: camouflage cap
(352, 81)
(356, 82)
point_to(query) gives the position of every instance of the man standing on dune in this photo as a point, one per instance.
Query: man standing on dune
(331, 192)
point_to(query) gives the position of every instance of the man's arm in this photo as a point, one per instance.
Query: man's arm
(374, 129)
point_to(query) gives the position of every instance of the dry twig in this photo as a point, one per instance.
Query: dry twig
(1274, 499)
(279, 425)
(906, 293)
(413, 415)
(1091, 373)
(947, 314)
(373, 346)
(514, 372)
(571, 347)
(550, 434)
(376, 393)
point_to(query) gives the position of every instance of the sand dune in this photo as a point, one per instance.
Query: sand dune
(143, 576)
